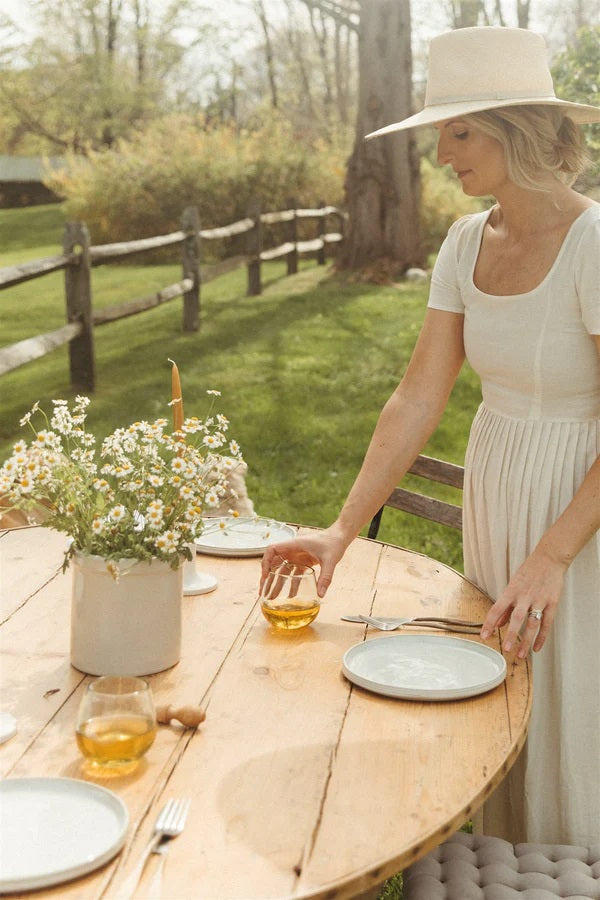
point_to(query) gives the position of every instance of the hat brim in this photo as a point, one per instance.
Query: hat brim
(581, 113)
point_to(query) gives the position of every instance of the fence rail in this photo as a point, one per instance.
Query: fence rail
(79, 257)
(34, 269)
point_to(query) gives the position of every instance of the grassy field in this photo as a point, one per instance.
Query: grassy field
(303, 369)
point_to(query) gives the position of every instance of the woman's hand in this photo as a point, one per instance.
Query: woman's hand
(323, 548)
(536, 586)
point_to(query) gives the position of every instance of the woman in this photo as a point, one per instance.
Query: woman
(517, 291)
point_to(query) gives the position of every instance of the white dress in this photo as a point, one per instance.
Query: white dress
(534, 437)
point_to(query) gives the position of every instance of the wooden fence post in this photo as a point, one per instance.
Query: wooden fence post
(254, 250)
(292, 257)
(342, 224)
(190, 223)
(78, 296)
(321, 232)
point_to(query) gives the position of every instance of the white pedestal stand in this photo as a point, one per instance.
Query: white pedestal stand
(195, 582)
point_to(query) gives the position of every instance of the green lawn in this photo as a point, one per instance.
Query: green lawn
(303, 369)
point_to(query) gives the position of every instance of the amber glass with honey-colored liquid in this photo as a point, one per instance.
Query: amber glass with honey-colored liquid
(289, 597)
(116, 723)
(288, 615)
(113, 740)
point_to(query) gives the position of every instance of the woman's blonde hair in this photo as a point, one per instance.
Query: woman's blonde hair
(539, 142)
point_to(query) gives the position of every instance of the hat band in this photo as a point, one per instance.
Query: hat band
(487, 95)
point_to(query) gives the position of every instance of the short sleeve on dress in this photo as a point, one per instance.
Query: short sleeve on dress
(445, 290)
(587, 276)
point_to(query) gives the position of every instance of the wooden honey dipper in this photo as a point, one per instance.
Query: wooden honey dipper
(189, 716)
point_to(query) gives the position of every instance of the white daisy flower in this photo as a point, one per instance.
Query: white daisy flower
(154, 518)
(26, 483)
(193, 513)
(167, 541)
(122, 470)
(117, 513)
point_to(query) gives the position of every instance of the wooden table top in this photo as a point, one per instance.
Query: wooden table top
(302, 785)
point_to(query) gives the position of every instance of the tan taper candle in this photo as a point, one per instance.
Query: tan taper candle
(177, 398)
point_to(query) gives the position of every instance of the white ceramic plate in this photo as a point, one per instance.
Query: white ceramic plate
(242, 535)
(424, 667)
(55, 829)
(8, 726)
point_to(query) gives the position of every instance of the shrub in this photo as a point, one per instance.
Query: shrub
(575, 75)
(141, 188)
(442, 203)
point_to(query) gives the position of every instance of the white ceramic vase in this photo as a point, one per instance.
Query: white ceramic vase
(129, 626)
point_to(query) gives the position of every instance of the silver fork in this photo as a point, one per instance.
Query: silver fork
(460, 626)
(155, 886)
(169, 824)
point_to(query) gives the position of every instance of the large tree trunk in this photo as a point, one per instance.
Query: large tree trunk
(382, 180)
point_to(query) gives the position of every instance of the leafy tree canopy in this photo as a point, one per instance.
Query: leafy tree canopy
(576, 75)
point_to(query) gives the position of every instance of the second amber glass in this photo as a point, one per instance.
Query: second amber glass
(116, 722)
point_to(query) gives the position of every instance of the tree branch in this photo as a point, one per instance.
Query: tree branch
(348, 15)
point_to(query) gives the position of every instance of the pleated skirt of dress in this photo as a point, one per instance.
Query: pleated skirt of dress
(520, 474)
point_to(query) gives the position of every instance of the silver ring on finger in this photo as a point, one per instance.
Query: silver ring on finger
(536, 614)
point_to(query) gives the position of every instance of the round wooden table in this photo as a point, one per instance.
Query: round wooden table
(302, 784)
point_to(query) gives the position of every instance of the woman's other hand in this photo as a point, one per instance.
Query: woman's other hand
(323, 548)
(535, 588)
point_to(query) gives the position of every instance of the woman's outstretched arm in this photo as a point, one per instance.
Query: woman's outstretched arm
(403, 428)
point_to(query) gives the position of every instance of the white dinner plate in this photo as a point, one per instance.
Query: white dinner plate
(55, 829)
(241, 535)
(8, 726)
(424, 667)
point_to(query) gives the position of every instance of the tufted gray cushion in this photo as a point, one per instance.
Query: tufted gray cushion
(473, 867)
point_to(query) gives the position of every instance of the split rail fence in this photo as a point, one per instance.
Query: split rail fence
(78, 258)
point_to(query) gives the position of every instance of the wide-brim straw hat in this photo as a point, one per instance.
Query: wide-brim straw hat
(474, 69)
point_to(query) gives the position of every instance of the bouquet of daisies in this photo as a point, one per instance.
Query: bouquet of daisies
(141, 494)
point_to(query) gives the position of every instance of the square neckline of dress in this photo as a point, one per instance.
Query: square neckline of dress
(550, 271)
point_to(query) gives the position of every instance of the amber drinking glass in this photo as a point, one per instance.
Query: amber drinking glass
(289, 596)
(116, 723)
